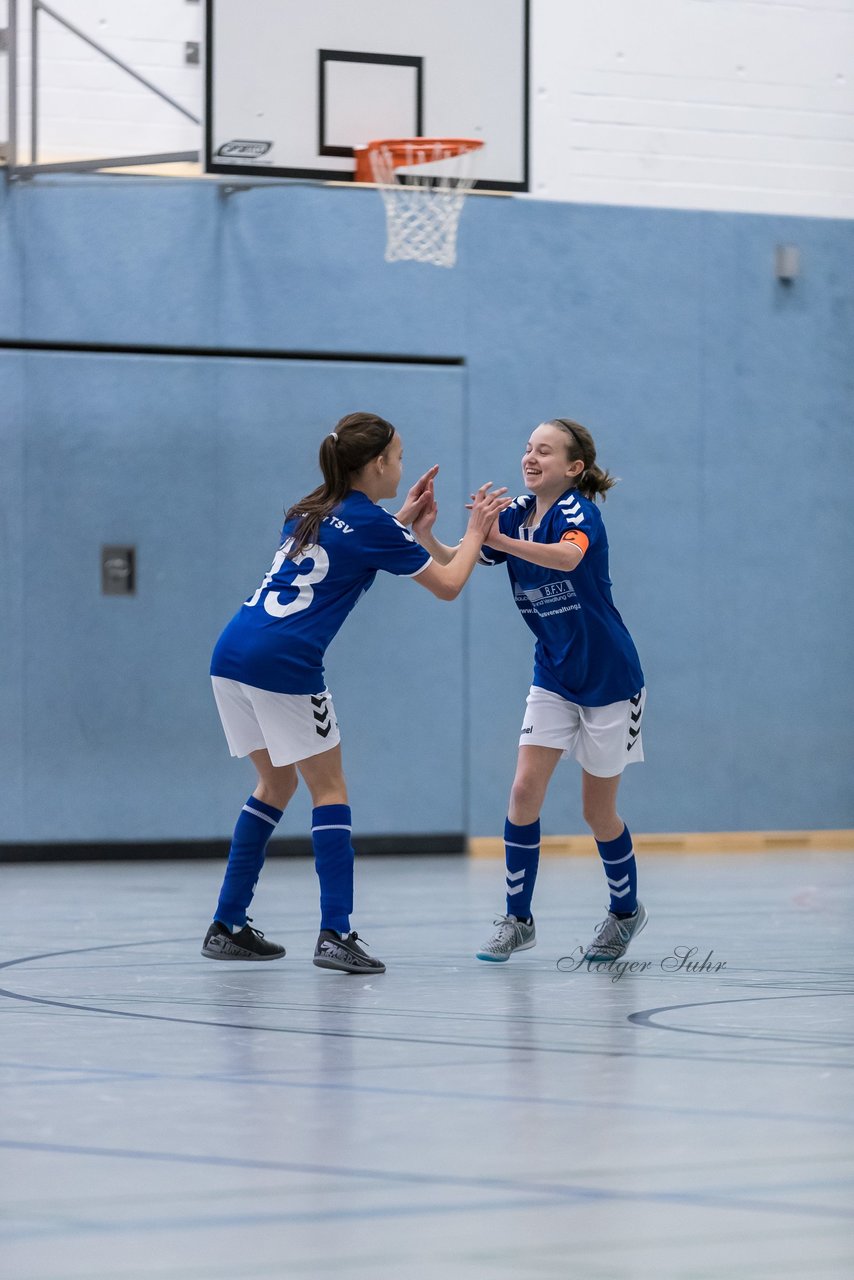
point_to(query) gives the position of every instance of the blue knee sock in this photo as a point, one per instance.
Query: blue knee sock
(254, 827)
(621, 872)
(522, 855)
(331, 826)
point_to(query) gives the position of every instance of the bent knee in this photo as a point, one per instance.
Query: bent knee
(526, 796)
(279, 789)
(603, 821)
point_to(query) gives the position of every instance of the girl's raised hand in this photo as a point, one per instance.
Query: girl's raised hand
(414, 502)
(485, 508)
(425, 517)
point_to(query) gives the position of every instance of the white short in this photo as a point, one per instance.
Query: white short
(602, 739)
(292, 726)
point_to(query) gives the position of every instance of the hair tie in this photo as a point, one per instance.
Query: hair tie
(333, 435)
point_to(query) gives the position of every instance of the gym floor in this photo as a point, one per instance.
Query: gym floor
(171, 1116)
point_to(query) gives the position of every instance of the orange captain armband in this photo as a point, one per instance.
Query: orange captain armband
(580, 539)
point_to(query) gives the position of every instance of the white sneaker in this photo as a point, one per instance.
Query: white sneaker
(511, 935)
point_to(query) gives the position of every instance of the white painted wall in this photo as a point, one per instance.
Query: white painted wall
(742, 105)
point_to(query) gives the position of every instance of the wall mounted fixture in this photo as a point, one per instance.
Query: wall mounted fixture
(787, 263)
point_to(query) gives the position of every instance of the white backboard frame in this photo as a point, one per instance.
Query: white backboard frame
(291, 88)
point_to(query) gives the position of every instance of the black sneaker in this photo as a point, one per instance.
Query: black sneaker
(247, 944)
(334, 952)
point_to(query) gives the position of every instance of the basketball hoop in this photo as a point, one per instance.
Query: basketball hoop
(422, 208)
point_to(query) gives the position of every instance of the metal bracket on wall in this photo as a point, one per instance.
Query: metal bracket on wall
(118, 571)
(18, 170)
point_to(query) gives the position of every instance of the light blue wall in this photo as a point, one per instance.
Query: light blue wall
(723, 399)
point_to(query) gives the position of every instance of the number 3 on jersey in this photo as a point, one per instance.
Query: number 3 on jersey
(304, 582)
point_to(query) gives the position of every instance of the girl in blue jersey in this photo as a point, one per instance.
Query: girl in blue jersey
(587, 696)
(267, 672)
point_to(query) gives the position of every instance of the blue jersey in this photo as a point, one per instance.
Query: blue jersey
(584, 652)
(278, 638)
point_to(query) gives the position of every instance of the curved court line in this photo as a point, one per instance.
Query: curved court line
(79, 951)
(386, 1038)
(641, 1018)
(644, 1017)
(554, 1191)
(318, 1033)
(255, 1026)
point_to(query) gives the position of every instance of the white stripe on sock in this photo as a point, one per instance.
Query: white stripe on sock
(333, 826)
(515, 875)
(256, 813)
(518, 889)
(616, 862)
(514, 845)
(622, 892)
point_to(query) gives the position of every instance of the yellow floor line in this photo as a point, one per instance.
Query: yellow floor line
(683, 842)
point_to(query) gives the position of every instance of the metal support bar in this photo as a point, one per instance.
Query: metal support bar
(12, 84)
(39, 4)
(109, 162)
(9, 152)
(34, 81)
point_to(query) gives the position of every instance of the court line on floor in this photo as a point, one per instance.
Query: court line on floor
(522, 1046)
(644, 1017)
(561, 1192)
(638, 1018)
(91, 1075)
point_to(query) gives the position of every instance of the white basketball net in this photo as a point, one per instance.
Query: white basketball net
(422, 210)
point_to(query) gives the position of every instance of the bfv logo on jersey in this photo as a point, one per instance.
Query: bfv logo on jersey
(547, 592)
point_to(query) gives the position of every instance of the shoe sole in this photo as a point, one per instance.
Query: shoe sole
(525, 946)
(218, 955)
(322, 963)
(593, 955)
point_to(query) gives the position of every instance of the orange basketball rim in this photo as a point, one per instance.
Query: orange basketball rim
(402, 152)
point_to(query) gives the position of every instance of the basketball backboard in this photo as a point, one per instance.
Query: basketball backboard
(292, 87)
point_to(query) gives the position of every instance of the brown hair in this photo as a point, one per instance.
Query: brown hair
(593, 480)
(356, 440)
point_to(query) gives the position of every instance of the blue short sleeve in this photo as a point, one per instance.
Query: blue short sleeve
(387, 544)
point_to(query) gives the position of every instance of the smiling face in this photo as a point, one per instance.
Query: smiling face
(546, 468)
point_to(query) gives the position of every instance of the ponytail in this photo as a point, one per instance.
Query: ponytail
(356, 440)
(593, 481)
